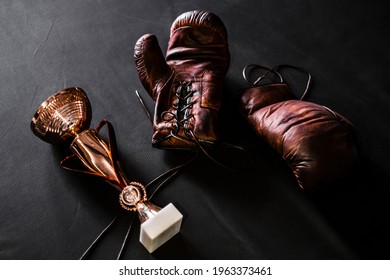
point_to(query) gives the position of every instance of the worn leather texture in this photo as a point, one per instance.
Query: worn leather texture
(187, 85)
(47, 212)
(318, 144)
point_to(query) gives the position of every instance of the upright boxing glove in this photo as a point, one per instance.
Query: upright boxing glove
(317, 143)
(187, 84)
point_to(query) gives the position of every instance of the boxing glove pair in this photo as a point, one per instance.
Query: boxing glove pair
(186, 85)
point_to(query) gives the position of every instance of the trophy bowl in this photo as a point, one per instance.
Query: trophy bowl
(62, 116)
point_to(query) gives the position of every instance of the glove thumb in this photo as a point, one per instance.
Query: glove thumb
(150, 63)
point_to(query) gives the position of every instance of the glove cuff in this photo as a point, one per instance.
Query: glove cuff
(255, 98)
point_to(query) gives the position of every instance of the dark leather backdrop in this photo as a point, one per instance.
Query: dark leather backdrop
(49, 213)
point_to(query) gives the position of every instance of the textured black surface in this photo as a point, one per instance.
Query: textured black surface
(49, 213)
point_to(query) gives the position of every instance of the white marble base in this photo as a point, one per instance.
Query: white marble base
(160, 228)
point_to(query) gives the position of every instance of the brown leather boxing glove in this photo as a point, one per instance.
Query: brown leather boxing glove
(187, 84)
(317, 143)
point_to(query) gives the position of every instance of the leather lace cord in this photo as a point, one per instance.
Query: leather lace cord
(274, 70)
(126, 237)
(218, 162)
(144, 106)
(265, 75)
(101, 234)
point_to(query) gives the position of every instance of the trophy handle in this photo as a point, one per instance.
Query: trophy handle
(64, 163)
(120, 181)
(111, 139)
(113, 147)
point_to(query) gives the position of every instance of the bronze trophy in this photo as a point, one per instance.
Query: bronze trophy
(65, 117)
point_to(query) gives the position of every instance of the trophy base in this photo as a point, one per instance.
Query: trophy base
(160, 228)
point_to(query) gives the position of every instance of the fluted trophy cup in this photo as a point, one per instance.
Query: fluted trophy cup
(65, 117)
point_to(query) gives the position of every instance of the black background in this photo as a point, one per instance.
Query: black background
(49, 213)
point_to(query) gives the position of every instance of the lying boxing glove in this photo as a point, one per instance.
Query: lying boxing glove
(317, 143)
(187, 85)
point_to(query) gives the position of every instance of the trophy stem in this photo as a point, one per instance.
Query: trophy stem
(146, 210)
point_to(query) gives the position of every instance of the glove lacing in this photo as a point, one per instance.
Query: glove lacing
(181, 113)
